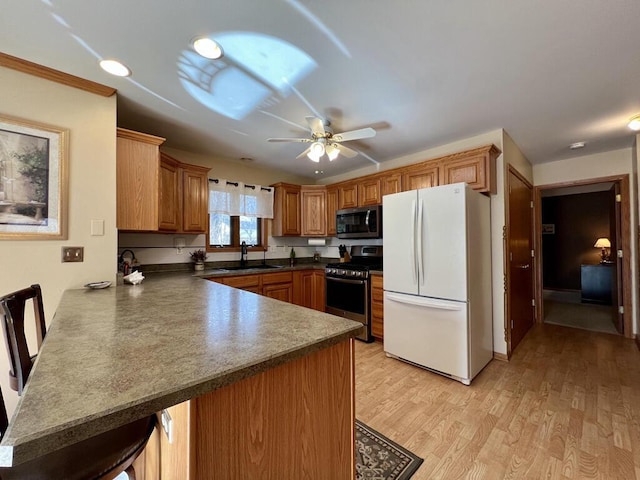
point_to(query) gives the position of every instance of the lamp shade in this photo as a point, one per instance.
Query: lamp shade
(602, 243)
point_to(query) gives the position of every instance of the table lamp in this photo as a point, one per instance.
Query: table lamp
(604, 244)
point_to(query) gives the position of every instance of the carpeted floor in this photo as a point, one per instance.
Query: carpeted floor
(564, 308)
(378, 458)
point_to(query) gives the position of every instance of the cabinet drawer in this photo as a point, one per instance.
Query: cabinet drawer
(280, 277)
(242, 281)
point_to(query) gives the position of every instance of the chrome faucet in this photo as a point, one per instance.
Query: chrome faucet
(243, 254)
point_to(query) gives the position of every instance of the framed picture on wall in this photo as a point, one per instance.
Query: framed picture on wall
(33, 180)
(548, 228)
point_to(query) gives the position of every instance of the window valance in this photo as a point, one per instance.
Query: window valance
(237, 198)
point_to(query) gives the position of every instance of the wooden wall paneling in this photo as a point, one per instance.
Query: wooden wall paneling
(293, 421)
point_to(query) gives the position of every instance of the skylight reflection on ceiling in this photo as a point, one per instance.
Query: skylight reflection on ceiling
(254, 68)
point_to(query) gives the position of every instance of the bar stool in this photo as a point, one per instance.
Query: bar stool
(13, 307)
(102, 457)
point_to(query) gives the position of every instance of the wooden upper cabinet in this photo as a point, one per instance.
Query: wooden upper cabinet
(156, 192)
(137, 180)
(314, 210)
(391, 183)
(170, 208)
(424, 176)
(332, 207)
(286, 210)
(347, 195)
(369, 191)
(195, 198)
(475, 167)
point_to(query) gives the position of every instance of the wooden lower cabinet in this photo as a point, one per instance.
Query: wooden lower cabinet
(309, 289)
(377, 307)
(285, 422)
(301, 287)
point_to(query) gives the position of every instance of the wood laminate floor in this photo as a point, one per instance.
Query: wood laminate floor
(567, 406)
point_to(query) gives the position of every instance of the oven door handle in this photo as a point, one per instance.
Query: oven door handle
(346, 280)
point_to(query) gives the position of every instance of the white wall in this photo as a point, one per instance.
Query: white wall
(91, 120)
(594, 166)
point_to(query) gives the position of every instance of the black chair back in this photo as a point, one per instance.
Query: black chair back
(13, 307)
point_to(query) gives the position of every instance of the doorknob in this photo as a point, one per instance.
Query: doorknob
(523, 266)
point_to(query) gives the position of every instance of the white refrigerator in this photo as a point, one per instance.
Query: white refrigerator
(437, 279)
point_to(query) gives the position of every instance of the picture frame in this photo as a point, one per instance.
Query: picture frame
(548, 228)
(33, 180)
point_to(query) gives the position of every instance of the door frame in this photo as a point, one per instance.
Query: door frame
(507, 270)
(625, 217)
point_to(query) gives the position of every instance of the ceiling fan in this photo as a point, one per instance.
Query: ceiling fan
(323, 140)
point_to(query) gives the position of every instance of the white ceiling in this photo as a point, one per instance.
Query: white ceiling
(423, 73)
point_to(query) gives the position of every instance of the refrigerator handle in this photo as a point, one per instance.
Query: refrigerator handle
(420, 260)
(413, 241)
(425, 302)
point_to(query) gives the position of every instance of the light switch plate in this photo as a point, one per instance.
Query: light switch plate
(72, 254)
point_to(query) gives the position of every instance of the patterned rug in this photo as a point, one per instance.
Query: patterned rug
(378, 458)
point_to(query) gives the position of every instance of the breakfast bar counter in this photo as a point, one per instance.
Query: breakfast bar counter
(114, 355)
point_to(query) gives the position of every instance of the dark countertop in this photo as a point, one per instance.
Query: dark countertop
(115, 355)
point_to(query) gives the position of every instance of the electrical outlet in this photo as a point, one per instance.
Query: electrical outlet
(72, 254)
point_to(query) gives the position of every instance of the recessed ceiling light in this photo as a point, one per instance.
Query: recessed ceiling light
(634, 123)
(319, 172)
(207, 48)
(114, 67)
(577, 145)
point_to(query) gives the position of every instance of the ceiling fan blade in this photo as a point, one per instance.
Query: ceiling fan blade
(304, 153)
(354, 134)
(317, 126)
(297, 140)
(346, 151)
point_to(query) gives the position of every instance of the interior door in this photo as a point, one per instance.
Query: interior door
(616, 237)
(520, 309)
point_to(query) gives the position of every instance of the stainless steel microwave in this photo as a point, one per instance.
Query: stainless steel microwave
(361, 222)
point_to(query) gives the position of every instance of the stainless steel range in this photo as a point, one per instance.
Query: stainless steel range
(348, 286)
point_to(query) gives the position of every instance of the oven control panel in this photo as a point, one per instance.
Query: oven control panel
(346, 273)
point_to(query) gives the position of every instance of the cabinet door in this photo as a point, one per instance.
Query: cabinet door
(348, 195)
(195, 198)
(422, 177)
(279, 291)
(319, 289)
(369, 192)
(170, 206)
(251, 283)
(137, 181)
(391, 184)
(314, 212)
(286, 218)
(175, 441)
(469, 170)
(303, 288)
(332, 207)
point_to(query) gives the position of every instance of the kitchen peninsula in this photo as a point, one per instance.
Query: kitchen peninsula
(269, 384)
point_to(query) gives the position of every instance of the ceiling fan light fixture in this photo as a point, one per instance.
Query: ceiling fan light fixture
(332, 152)
(207, 48)
(313, 157)
(634, 123)
(316, 151)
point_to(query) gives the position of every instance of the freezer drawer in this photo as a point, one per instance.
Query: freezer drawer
(429, 332)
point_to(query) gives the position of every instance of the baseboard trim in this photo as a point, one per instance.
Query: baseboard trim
(637, 338)
(500, 356)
